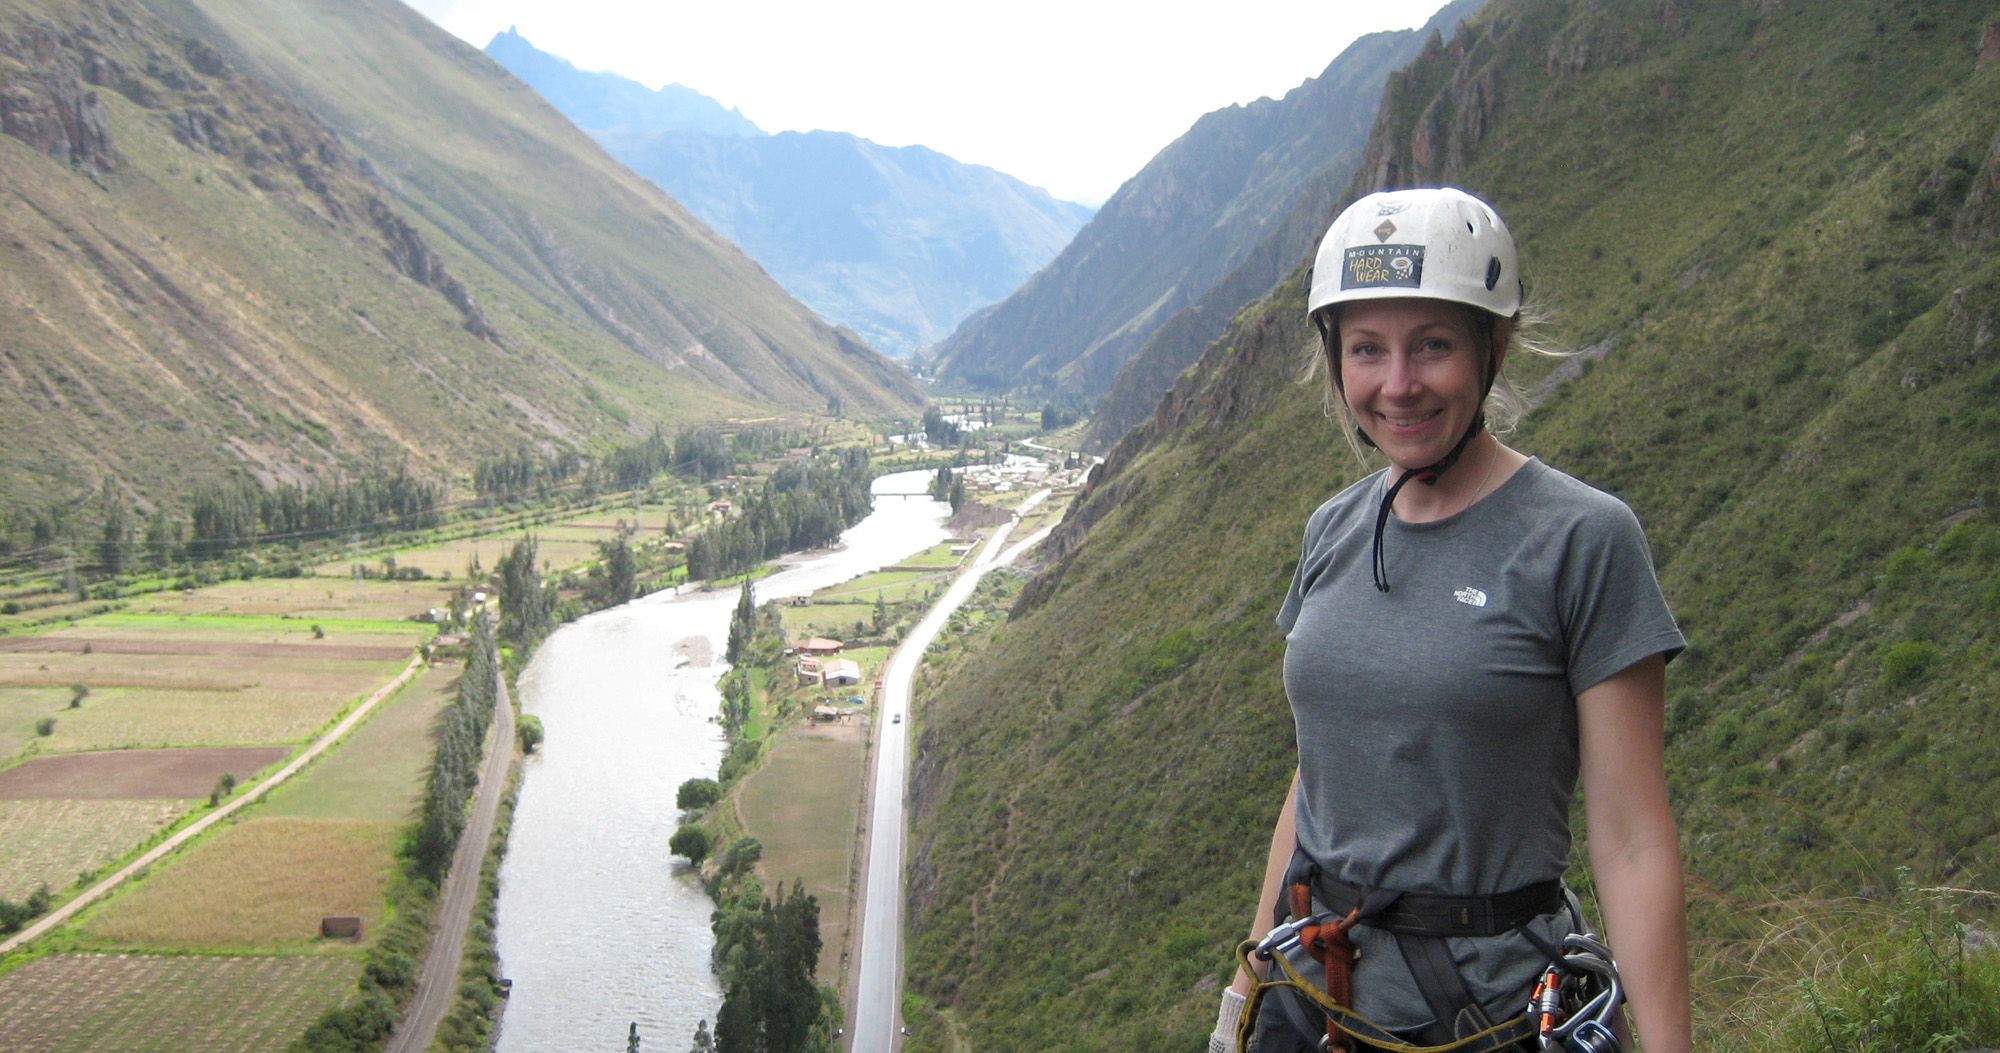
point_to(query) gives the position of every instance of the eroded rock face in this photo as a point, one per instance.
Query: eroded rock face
(54, 112)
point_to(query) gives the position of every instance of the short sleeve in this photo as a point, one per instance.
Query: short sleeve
(1613, 611)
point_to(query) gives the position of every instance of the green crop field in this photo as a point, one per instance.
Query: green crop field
(378, 772)
(894, 586)
(260, 885)
(20, 708)
(51, 842)
(87, 1003)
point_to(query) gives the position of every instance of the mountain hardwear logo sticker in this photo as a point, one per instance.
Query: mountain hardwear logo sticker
(1470, 596)
(1375, 266)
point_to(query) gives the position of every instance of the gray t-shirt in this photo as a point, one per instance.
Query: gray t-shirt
(1437, 722)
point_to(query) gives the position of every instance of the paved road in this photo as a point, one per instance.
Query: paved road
(437, 980)
(158, 852)
(878, 1000)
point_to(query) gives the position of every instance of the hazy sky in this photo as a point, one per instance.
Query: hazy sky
(1074, 96)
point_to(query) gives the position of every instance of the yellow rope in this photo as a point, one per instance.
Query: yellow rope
(1344, 1018)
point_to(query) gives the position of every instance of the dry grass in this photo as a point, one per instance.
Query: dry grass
(261, 713)
(1751, 987)
(804, 805)
(88, 1003)
(186, 686)
(51, 841)
(260, 885)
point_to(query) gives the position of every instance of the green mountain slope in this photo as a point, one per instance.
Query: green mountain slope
(1775, 229)
(290, 239)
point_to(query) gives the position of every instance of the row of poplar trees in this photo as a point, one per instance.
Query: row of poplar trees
(455, 766)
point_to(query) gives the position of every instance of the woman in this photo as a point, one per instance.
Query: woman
(1468, 632)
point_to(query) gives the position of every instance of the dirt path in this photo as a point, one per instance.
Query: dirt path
(437, 980)
(68, 910)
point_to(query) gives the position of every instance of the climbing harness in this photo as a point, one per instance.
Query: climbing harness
(1575, 1004)
(1570, 1009)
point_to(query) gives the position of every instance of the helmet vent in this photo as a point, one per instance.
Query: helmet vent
(1492, 272)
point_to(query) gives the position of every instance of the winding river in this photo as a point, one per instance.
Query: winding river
(600, 927)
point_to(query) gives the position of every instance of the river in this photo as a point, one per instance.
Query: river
(600, 927)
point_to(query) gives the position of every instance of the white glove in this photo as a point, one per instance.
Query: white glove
(1223, 1040)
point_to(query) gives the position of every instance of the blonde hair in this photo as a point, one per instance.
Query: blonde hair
(1506, 403)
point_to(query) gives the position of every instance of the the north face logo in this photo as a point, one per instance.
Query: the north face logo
(1470, 595)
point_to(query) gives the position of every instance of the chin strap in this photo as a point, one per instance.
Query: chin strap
(1428, 475)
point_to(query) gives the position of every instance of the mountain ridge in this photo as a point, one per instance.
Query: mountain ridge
(897, 243)
(221, 273)
(1197, 212)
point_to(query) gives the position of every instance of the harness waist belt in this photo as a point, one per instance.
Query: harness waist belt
(1418, 914)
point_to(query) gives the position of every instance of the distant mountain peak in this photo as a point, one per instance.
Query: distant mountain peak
(609, 103)
(898, 244)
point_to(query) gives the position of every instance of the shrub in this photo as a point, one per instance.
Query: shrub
(742, 855)
(529, 730)
(45, 726)
(1907, 664)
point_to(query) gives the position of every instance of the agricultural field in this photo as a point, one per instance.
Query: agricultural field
(804, 804)
(323, 843)
(86, 1003)
(259, 885)
(894, 586)
(378, 772)
(190, 680)
(1048, 513)
(54, 841)
(304, 599)
(562, 543)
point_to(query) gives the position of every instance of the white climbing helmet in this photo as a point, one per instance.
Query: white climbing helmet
(1435, 243)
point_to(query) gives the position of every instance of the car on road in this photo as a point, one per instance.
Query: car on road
(898, 719)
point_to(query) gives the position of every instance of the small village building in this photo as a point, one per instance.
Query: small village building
(824, 714)
(809, 671)
(818, 645)
(842, 671)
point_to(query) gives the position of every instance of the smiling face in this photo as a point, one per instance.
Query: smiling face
(1413, 374)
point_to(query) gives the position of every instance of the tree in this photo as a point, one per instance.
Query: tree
(224, 786)
(690, 841)
(770, 1002)
(529, 730)
(77, 693)
(113, 549)
(697, 793)
(881, 614)
(616, 576)
(742, 625)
